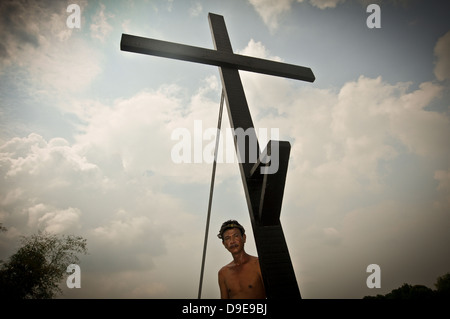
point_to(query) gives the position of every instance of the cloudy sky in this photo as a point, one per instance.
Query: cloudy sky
(86, 140)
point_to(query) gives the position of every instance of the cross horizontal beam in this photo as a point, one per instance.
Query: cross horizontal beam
(189, 53)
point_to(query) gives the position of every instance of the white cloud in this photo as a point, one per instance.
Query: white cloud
(67, 67)
(349, 147)
(54, 220)
(128, 220)
(169, 5)
(271, 10)
(443, 177)
(328, 236)
(442, 53)
(117, 185)
(353, 127)
(37, 40)
(100, 28)
(20, 32)
(127, 284)
(196, 9)
(257, 49)
(43, 182)
(137, 236)
(12, 196)
(444, 180)
(138, 130)
(324, 4)
(33, 156)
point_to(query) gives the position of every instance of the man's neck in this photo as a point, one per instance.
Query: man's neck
(240, 258)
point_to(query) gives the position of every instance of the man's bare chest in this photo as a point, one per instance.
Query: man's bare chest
(242, 278)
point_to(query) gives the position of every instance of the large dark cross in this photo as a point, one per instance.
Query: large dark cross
(263, 189)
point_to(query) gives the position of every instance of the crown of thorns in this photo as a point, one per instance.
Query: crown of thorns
(225, 227)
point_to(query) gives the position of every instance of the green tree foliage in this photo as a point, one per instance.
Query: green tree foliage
(37, 268)
(443, 286)
(407, 291)
(411, 292)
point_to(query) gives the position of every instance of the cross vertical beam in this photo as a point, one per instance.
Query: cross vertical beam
(276, 266)
(238, 111)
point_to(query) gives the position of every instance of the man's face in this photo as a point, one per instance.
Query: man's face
(233, 240)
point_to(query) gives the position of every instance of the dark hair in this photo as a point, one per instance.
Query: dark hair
(229, 224)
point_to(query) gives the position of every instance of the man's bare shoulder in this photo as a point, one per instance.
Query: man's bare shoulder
(222, 270)
(225, 268)
(253, 261)
(253, 258)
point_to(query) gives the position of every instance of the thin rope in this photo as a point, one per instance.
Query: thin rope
(211, 190)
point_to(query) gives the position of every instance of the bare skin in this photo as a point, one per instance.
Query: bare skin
(241, 278)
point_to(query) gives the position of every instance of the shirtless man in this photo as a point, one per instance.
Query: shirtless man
(241, 278)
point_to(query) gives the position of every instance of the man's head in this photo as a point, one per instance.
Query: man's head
(233, 236)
